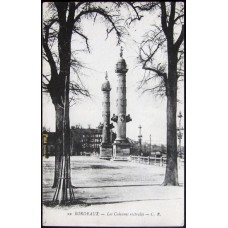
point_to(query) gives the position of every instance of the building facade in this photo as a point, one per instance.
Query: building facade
(83, 141)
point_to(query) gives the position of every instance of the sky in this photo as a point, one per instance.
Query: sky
(145, 110)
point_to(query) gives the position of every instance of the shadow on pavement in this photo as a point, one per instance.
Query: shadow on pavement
(95, 167)
(82, 202)
(128, 201)
(118, 186)
(129, 185)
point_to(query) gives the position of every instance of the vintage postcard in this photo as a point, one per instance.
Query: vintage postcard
(113, 114)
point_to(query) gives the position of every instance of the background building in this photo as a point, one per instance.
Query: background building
(86, 141)
(83, 140)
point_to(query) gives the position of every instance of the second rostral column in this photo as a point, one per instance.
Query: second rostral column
(106, 144)
(121, 146)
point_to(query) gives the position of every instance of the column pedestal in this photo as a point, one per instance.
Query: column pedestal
(105, 151)
(121, 151)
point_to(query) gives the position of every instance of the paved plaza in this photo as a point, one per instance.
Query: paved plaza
(112, 186)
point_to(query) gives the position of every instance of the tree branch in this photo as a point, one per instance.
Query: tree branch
(83, 36)
(158, 72)
(44, 87)
(146, 7)
(172, 14)
(103, 13)
(78, 5)
(45, 76)
(61, 9)
(46, 47)
(77, 89)
(163, 18)
(50, 57)
(178, 17)
(136, 12)
(70, 20)
(180, 38)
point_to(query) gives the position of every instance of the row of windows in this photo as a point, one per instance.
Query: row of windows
(91, 140)
(91, 146)
(91, 136)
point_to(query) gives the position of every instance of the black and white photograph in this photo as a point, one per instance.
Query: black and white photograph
(113, 114)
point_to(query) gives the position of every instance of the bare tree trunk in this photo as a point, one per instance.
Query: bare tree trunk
(64, 192)
(59, 127)
(171, 175)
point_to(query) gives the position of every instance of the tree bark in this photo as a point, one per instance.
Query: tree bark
(64, 191)
(171, 175)
(58, 149)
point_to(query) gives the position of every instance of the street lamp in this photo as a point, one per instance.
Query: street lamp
(179, 133)
(140, 140)
(45, 141)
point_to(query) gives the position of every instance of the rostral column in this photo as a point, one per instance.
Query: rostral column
(106, 146)
(121, 146)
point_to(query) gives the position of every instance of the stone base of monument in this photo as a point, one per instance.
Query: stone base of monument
(105, 151)
(121, 151)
